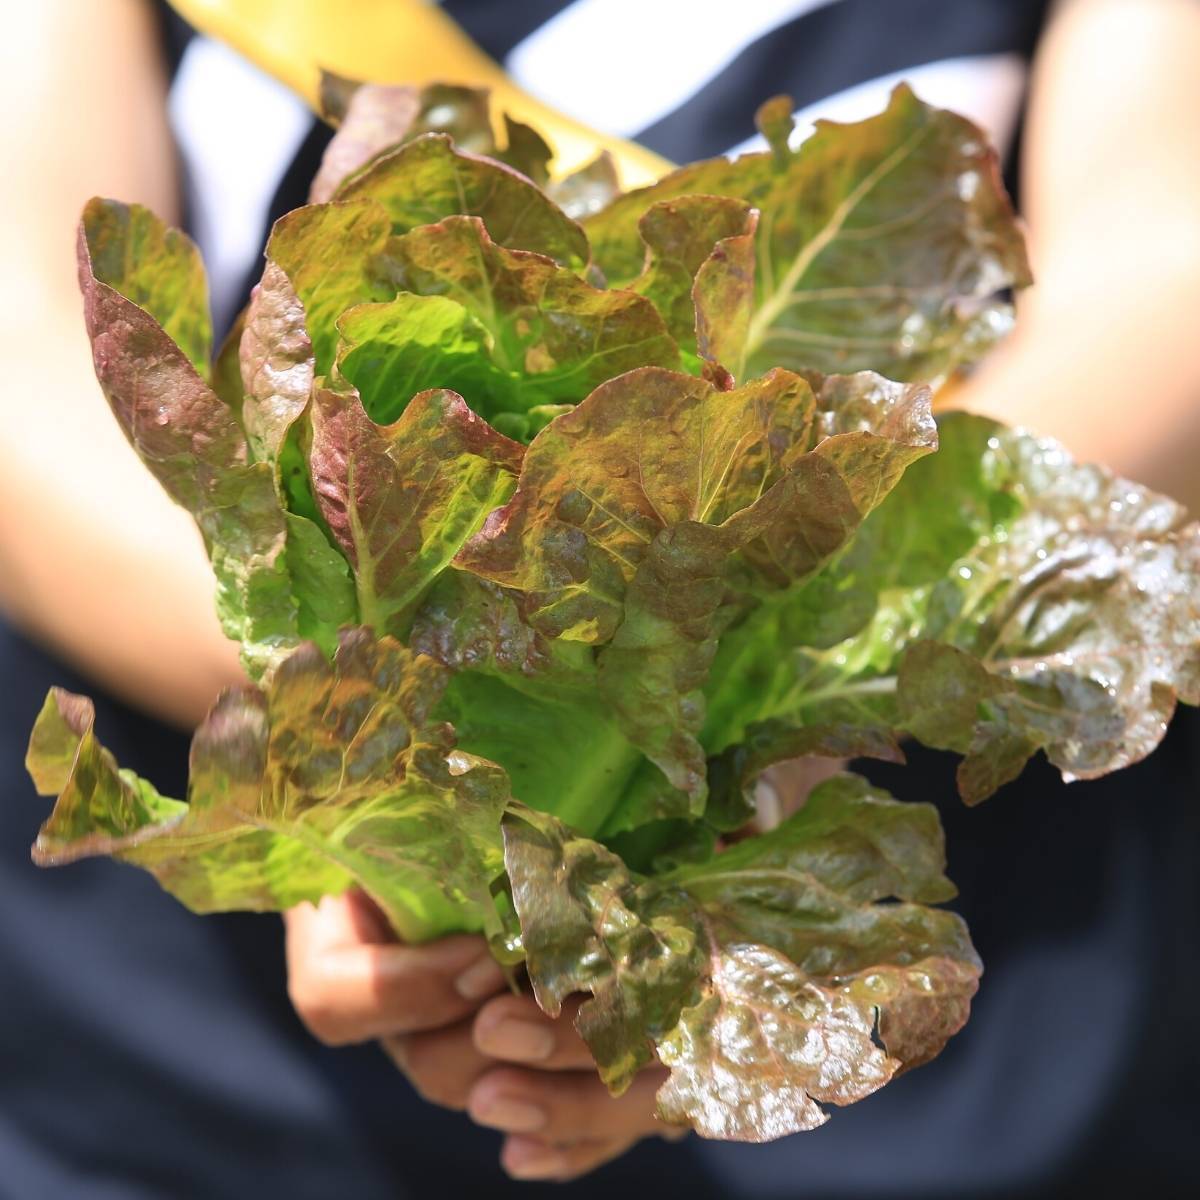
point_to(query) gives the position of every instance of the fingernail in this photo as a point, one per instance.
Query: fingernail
(542, 1163)
(518, 1041)
(480, 979)
(510, 1116)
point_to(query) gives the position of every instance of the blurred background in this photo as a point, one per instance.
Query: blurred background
(145, 1053)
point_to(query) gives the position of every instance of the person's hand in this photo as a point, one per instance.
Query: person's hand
(514, 1069)
(506, 1063)
(351, 981)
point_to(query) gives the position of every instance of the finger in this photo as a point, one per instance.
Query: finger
(442, 1065)
(346, 989)
(531, 1158)
(513, 1029)
(564, 1107)
(356, 993)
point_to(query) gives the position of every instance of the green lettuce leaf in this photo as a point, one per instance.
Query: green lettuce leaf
(126, 248)
(332, 775)
(276, 372)
(225, 377)
(510, 330)
(322, 585)
(328, 253)
(177, 424)
(551, 337)
(374, 118)
(276, 359)
(391, 351)
(763, 978)
(588, 189)
(680, 236)
(682, 580)
(881, 245)
(427, 179)
(525, 150)
(653, 450)
(1005, 600)
(640, 513)
(509, 680)
(1085, 617)
(401, 499)
(723, 299)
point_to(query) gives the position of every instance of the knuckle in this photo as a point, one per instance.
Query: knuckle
(583, 1108)
(406, 1000)
(324, 1025)
(425, 1070)
(317, 1015)
(510, 1081)
(506, 1005)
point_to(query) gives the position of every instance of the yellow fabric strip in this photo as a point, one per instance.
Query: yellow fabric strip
(396, 41)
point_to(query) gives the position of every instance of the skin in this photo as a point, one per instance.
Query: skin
(97, 564)
(1105, 356)
(444, 1015)
(95, 560)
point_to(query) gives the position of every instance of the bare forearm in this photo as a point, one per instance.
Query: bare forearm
(1114, 376)
(1107, 357)
(95, 560)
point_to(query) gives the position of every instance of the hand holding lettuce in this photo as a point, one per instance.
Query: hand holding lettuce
(543, 539)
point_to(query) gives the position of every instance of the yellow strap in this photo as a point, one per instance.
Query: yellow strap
(396, 41)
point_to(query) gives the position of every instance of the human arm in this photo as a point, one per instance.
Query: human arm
(95, 560)
(1105, 355)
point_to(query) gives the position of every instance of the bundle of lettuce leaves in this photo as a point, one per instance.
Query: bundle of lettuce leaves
(548, 517)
